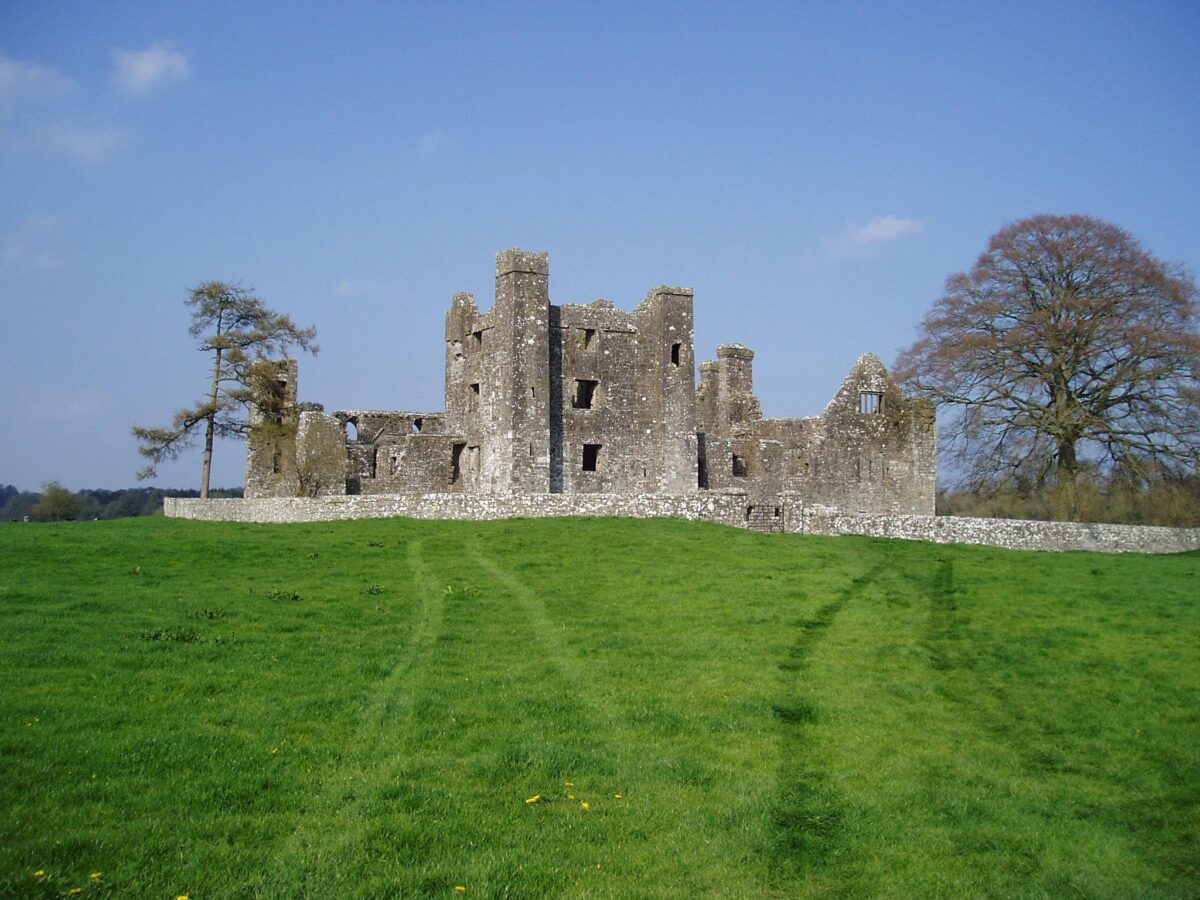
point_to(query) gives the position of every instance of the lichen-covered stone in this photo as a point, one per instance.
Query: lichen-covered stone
(572, 399)
(787, 513)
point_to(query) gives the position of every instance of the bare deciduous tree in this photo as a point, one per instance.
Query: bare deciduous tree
(1067, 345)
(321, 462)
(239, 331)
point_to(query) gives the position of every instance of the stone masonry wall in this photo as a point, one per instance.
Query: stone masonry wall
(870, 451)
(724, 508)
(587, 398)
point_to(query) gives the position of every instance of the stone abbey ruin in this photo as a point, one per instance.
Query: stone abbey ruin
(586, 400)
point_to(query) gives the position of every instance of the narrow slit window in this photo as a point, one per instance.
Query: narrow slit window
(584, 338)
(456, 462)
(870, 402)
(473, 398)
(675, 353)
(591, 457)
(584, 394)
(739, 467)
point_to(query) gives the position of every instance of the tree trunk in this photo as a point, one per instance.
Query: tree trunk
(210, 427)
(1066, 497)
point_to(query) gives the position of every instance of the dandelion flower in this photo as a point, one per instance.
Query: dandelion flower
(584, 806)
(95, 875)
(459, 889)
(75, 891)
(40, 873)
(569, 784)
(616, 796)
(534, 799)
(570, 796)
(182, 897)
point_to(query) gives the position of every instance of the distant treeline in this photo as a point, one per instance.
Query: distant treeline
(16, 505)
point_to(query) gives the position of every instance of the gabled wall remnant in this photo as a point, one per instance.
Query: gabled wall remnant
(590, 399)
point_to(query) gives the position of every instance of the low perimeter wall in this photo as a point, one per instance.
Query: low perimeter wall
(725, 509)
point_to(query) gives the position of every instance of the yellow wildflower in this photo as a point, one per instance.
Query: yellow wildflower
(459, 889)
(182, 897)
(570, 796)
(39, 873)
(95, 875)
(569, 784)
(584, 806)
(534, 799)
(616, 796)
(75, 891)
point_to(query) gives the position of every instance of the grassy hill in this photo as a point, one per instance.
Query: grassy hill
(589, 708)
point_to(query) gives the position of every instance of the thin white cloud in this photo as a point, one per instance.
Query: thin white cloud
(31, 245)
(52, 404)
(20, 251)
(431, 142)
(886, 228)
(79, 143)
(142, 71)
(855, 240)
(364, 287)
(22, 82)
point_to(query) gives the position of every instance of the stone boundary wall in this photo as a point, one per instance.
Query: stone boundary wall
(726, 509)
(1012, 534)
(722, 508)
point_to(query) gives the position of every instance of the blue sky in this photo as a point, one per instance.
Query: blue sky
(813, 171)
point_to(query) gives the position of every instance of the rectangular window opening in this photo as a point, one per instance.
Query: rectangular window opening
(473, 398)
(870, 402)
(591, 457)
(739, 467)
(455, 462)
(675, 354)
(584, 394)
(583, 340)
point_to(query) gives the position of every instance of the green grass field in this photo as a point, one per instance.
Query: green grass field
(366, 709)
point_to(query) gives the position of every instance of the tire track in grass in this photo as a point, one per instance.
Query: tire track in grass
(330, 822)
(806, 813)
(564, 659)
(944, 632)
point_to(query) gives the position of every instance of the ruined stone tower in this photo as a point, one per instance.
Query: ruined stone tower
(587, 399)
